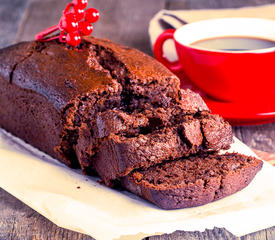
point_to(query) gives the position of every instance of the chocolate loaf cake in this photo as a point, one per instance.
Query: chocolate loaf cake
(104, 107)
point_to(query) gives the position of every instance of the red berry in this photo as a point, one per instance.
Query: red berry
(85, 28)
(80, 3)
(68, 23)
(91, 15)
(73, 38)
(78, 13)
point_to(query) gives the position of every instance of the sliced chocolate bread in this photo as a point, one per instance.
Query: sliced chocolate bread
(193, 181)
(91, 106)
(116, 111)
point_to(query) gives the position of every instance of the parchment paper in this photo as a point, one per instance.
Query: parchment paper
(80, 203)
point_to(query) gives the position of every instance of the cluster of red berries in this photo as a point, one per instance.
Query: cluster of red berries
(74, 23)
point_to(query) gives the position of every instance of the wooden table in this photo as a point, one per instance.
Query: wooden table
(125, 21)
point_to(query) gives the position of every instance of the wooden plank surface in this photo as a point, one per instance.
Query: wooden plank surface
(11, 14)
(261, 137)
(215, 4)
(125, 22)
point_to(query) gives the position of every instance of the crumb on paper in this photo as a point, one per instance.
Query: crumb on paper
(100, 182)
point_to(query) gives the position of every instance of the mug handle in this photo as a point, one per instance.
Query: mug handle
(158, 51)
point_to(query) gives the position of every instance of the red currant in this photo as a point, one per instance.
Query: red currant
(78, 13)
(73, 38)
(91, 15)
(68, 23)
(85, 28)
(80, 3)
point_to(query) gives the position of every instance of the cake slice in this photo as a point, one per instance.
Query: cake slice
(120, 154)
(193, 181)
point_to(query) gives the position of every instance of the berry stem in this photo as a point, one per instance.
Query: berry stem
(40, 36)
(67, 9)
(50, 39)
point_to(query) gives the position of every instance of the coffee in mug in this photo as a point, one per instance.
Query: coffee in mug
(234, 43)
(228, 59)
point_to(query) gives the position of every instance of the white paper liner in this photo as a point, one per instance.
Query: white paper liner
(52, 189)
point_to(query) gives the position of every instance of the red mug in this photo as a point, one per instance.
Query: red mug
(232, 76)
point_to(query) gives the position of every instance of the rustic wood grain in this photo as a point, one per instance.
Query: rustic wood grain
(125, 22)
(261, 137)
(39, 16)
(216, 233)
(11, 13)
(215, 4)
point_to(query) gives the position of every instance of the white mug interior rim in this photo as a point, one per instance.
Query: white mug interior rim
(221, 27)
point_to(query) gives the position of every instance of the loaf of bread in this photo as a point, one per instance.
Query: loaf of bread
(112, 110)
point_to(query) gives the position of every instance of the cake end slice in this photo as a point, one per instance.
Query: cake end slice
(193, 181)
